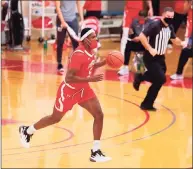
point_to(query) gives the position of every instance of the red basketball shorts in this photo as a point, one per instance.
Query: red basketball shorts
(67, 97)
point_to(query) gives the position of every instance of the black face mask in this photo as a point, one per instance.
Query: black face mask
(169, 21)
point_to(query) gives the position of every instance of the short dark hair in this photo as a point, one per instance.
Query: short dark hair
(168, 9)
(84, 31)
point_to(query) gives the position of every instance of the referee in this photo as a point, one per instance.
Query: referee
(158, 32)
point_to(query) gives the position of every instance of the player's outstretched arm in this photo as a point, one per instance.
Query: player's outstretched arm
(71, 77)
(100, 63)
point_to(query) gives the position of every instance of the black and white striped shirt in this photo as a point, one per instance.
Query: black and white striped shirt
(159, 35)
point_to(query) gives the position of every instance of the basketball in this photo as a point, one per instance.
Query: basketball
(115, 59)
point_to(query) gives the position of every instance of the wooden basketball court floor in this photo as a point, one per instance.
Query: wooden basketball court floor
(132, 137)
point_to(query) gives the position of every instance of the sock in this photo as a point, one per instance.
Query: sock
(31, 130)
(96, 145)
(125, 66)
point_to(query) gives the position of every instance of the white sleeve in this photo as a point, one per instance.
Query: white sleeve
(72, 33)
(124, 40)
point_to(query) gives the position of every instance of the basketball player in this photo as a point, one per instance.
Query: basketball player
(93, 22)
(93, 8)
(76, 89)
(158, 32)
(133, 43)
(131, 12)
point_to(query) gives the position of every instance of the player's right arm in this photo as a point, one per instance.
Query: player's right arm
(145, 43)
(60, 16)
(75, 62)
(143, 38)
(71, 77)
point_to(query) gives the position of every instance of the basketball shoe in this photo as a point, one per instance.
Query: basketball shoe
(98, 156)
(24, 136)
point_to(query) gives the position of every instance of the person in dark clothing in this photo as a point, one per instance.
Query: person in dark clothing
(159, 32)
(181, 9)
(133, 43)
(186, 53)
(156, 7)
(66, 17)
(4, 10)
(187, 50)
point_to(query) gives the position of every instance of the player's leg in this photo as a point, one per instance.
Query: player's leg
(184, 56)
(94, 108)
(124, 69)
(59, 111)
(26, 132)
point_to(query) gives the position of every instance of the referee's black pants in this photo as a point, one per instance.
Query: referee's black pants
(156, 69)
(132, 46)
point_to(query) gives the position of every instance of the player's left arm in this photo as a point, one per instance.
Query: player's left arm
(100, 63)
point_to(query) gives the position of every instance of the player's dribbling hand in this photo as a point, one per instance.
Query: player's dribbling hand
(153, 51)
(97, 78)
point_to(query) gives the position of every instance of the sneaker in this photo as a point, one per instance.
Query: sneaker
(24, 136)
(123, 71)
(148, 108)
(137, 81)
(176, 77)
(60, 68)
(98, 156)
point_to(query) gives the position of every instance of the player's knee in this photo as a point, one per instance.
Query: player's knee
(56, 119)
(99, 115)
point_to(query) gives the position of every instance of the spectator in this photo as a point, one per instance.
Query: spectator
(181, 9)
(131, 11)
(187, 52)
(93, 8)
(133, 43)
(66, 11)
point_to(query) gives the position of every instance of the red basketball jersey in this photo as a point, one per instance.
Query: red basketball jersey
(93, 5)
(82, 61)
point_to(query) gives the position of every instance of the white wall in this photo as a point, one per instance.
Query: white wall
(25, 5)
